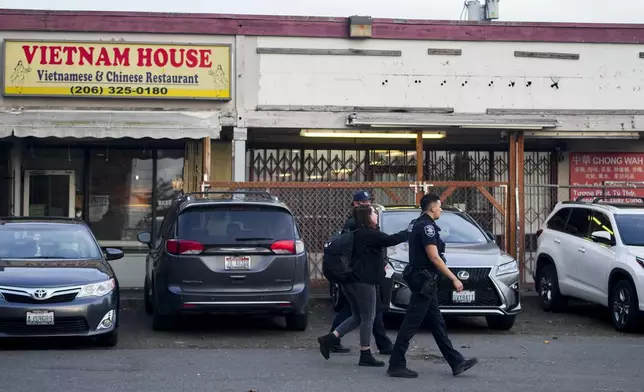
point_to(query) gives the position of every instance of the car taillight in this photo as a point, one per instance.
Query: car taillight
(288, 247)
(539, 232)
(184, 247)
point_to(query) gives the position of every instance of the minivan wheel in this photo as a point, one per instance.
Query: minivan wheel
(548, 289)
(147, 297)
(337, 297)
(624, 306)
(297, 322)
(501, 323)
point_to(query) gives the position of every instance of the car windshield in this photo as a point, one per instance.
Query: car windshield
(631, 229)
(236, 224)
(47, 241)
(455, 228)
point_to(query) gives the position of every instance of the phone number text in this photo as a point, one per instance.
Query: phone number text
(97, 90)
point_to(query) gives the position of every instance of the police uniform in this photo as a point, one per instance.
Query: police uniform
(422, 277)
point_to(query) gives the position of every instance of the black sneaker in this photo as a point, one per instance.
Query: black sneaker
(464, 366)
(402, 373)
(339, 348)
(326, 342)
(367, 359)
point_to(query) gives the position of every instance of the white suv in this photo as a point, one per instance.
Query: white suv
(593, 252)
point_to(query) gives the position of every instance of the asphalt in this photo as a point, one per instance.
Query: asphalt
(575, 351)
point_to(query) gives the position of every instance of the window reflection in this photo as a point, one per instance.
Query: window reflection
(120, 194)
(169, 181)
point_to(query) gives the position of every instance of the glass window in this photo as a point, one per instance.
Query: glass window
(169, 181)
(631, 229)
(558, 220)
(455, 228)
(59, 158)
(55, 241)
(120, 195)
(231, 225)
(5, 181)
(579, 222)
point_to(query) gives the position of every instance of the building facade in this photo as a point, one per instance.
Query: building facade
(108, 116)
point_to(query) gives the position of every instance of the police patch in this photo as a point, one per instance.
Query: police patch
(429, 230)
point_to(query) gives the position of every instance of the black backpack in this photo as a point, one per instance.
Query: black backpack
(336, 261)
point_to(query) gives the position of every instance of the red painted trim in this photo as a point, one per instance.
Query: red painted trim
(298, 26)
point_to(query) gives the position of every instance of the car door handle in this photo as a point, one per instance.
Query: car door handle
(582, 250)
(557, 241)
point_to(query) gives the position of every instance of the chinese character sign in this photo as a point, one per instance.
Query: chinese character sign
(116, 70)
(600, 168)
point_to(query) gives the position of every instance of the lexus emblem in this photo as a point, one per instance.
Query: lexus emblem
(40, 294)
(463, 275)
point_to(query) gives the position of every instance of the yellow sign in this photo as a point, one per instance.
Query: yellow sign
(116, 70)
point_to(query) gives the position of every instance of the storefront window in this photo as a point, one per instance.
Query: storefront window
(48, 174)
(169, 180)
(120, 203)
(5, 181)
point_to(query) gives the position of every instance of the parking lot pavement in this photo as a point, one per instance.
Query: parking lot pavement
(239, 332)
(512, 363)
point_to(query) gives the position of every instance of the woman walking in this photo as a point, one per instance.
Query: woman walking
(366, 263)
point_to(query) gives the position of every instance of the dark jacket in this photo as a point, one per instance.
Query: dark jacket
(368, 253)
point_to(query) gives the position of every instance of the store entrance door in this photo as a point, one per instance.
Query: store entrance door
(50, 193)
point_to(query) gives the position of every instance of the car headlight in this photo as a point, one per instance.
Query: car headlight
(508, 268)
(97, 289)
(398, 266)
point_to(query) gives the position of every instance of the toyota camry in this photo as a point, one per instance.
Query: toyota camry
(55, 280)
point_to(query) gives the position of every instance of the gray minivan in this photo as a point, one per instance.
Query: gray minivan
(227, 253)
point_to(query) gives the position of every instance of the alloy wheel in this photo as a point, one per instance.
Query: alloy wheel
(622, 306)
(545, 288)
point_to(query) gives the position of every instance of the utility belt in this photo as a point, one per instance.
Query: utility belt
(421, 280)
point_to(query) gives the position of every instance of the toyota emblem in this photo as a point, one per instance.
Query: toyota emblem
(40, 294)
(463, 275)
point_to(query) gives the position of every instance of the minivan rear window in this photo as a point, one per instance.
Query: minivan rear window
(235, 225)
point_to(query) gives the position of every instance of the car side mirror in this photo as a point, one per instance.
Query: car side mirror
(112, 254)
(603, 237)
(145, 238)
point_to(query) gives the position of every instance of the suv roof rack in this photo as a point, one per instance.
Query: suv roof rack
(260, 195)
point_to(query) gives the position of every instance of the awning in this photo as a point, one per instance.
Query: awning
(102, 124)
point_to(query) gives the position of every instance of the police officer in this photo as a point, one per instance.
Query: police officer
(426, 262)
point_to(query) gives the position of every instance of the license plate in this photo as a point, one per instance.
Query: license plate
(464, 297)
(237, 263)
(40, 318)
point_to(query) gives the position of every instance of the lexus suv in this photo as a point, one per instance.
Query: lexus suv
(490, 276)
(227, 253)
(593, 251)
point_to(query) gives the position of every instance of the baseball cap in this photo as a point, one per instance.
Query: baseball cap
(362, 196)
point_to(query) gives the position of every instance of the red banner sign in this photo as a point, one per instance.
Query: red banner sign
(604, 167)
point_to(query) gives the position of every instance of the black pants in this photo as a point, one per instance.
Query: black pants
(423, 307)
(379, 331)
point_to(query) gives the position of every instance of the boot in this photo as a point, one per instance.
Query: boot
(367, 359)
(327, 342)
(402, 373)
(464, 366)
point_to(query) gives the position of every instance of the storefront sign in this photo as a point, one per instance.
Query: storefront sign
(603, 168)
(117, 70)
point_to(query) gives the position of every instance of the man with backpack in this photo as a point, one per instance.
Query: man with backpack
(383, 343)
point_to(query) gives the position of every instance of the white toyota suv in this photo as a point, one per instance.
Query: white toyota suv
(593, 252)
